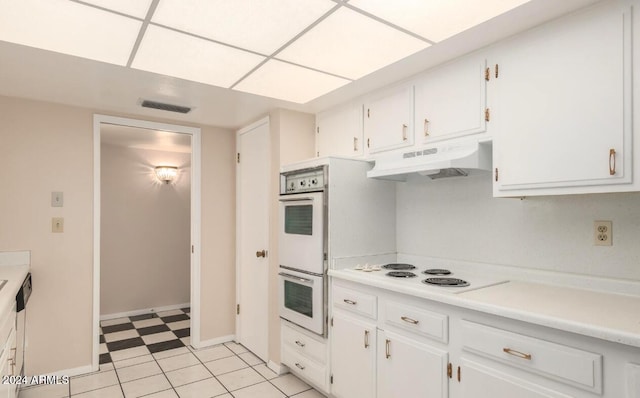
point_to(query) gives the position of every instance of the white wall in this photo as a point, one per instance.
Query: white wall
(459, 219)
(47, 147)
(145, 230)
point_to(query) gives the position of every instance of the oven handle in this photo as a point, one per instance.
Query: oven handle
(306, 198)
(295, 277)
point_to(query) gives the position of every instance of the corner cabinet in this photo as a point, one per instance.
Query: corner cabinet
(339, 132)
(450, 101)
(388, 119)
(561, 106)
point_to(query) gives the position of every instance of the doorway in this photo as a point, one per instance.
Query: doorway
(142, 225)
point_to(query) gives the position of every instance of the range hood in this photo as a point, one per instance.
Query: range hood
(439, 161)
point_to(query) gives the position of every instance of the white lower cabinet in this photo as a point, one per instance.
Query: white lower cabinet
(353, 357)
(484, 382)
(305, 354)
(409, 368)
(8, 354)
(413, 347)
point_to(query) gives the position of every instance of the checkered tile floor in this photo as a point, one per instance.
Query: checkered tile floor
(150, 356)
(157, 332)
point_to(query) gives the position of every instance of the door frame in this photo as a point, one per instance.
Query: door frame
(195, 220)
(252, 126)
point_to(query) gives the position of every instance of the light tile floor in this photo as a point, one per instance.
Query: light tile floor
(225, 370)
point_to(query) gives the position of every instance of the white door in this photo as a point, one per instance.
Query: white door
(388, 120)
(353, 357)
(451, 100)
(410, 369)
(253, 237)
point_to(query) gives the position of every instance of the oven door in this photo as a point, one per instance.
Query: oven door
(302, 299)
(302, 230)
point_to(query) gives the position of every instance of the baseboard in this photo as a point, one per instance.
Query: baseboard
(278, 368)
(143, 311)
(216, 341)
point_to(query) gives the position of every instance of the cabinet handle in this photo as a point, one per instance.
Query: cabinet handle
(301, 344)
(350, 302)
(368, 142)
(612, 161)
(426, 127)
(517, 353)
(458, 374)
(355, 144)
(299, 366)
(261, 253)
(387, 348)
(404, 132)
(449, 370)
(366, 339)
(409, 320)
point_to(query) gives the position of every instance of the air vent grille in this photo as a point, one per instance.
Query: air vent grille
(165, 107)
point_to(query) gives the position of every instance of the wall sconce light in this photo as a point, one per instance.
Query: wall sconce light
(166, 173)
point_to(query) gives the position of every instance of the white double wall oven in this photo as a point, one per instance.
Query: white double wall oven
(302, 246)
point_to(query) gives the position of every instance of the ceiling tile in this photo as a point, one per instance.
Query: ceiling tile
(436, 20)
(351, 45)
(69, 28)
(277, 79)
(180, 55)
(137, 8)
(257, 25)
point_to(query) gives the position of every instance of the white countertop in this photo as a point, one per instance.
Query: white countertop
(607, 316)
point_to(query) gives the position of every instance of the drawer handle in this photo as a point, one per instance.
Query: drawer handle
(301, 344)
(387, 348)
(299, 366)
(517, 353)
(350, 302)
(366, 339)
(409, 320)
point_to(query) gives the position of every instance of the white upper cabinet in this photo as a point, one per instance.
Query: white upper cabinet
(450, 101)
(339, 132)
(388, 119)
(561, 106)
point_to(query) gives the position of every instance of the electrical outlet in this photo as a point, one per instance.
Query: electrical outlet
(602, 233)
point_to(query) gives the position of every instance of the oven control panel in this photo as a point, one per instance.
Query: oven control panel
(302, 181)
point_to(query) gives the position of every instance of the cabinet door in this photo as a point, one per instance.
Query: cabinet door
(388, 120)
(353, 366)
(479, 381)
(339, 132)
(561, 106)
(451, 101)
(410, 369)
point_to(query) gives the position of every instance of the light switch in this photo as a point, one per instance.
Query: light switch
(57, 199)
(57, 224)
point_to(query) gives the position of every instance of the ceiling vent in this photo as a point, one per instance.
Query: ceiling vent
(165, 107)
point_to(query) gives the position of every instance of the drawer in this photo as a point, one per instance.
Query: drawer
(356, 301)
(304, 367)
(566, 364)
(420, 321)
(303, 343)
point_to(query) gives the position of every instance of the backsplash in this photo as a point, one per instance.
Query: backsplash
(459, 219)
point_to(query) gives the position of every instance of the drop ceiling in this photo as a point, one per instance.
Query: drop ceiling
(233, 59)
